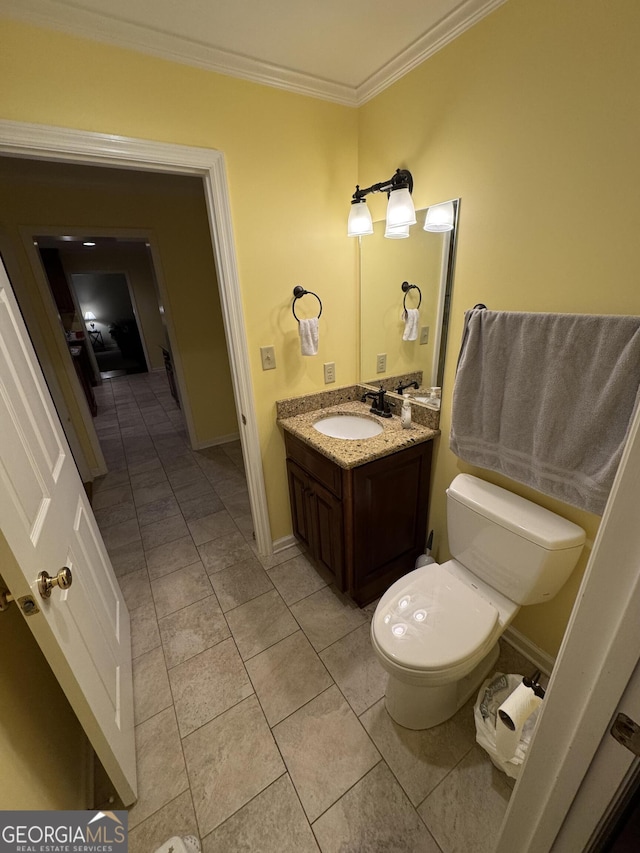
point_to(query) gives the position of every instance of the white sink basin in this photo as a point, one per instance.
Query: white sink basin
(348, 426)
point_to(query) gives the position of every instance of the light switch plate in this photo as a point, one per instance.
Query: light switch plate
(424, 335)
(329, 372)
(268, 356)
(381, 362)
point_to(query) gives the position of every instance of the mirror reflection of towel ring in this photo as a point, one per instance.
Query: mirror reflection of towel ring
(298, 293)
(407, 287)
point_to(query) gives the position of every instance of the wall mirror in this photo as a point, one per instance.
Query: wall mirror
(425, 259)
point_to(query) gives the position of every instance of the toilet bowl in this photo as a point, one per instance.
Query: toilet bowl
(435, 631)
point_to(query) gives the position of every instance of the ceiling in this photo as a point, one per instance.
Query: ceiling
(339, 50)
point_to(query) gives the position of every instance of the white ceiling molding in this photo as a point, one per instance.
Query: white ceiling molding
(445, 31)
(103, 28)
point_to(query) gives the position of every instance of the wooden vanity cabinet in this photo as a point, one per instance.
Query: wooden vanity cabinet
(365, 525)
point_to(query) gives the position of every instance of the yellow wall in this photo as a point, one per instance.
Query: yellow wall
(43, 748)
(531, 117)
(291, 165)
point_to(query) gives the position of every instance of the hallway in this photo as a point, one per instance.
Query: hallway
(259, 710)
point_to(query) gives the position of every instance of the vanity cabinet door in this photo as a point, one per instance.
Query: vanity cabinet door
(327, 532)
(300, 496)
(317, 520)
(390, 499)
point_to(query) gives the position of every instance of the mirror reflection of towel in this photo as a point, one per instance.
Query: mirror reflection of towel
(410, 317)
(308, 336)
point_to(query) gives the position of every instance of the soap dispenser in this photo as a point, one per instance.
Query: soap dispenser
(434, 399)
(405, 414)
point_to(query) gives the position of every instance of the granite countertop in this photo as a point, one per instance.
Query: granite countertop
(349, 453)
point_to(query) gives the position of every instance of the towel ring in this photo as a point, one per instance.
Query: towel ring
(407, 287)
(299, 292)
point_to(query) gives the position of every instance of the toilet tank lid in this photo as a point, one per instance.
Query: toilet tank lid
(523, 517)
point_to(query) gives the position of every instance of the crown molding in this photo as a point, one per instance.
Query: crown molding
(103, 28)
(99, 27)
(441, 34)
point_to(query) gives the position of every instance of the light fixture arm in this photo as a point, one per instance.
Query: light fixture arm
(401, 180)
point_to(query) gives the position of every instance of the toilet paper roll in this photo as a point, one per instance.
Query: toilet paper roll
(512, 715)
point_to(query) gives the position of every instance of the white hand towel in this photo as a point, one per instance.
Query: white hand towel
(410, 317)
(308, 336)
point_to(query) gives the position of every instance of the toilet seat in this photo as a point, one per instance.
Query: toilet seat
(430, 621)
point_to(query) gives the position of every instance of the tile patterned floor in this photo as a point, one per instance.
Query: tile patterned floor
(259, 710)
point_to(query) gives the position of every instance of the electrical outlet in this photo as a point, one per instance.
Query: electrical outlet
(329, 372)
(424, 335)
(381, 362)
(268, 356)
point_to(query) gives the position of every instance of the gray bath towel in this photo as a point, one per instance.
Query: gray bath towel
(547, 399)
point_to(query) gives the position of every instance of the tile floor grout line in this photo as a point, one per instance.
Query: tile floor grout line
(212, 646)
(344, 793)
(447, 774)
(254, 797)
(304, 705)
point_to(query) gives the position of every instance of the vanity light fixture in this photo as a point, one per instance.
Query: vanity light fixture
(360, 222)
(440, 217)
(89, 317)
(400, 209)
(399, 232)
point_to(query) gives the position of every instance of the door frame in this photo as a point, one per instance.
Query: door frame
(44, 142)
(7, 253)
(596, 662)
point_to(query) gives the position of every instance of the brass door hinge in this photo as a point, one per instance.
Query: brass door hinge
(627, 732)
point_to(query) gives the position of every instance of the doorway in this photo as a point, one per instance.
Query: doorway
(208, 168)
(112, 328)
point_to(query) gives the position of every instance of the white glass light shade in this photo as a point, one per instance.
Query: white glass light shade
(400, 209)
(360, 222)
(400, 232)
(440, 217)
(89, 315)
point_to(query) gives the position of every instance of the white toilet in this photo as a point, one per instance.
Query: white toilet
(436, 630)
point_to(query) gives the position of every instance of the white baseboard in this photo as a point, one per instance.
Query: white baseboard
(223, 439)
(284, 543)
(539, 658)
(98, 472)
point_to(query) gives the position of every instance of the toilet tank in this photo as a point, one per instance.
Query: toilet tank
(522, 550)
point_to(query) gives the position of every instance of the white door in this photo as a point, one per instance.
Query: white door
(83, 631)
(611, 777)
(592, 679)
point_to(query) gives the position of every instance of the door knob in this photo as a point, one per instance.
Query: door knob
(46, 582)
